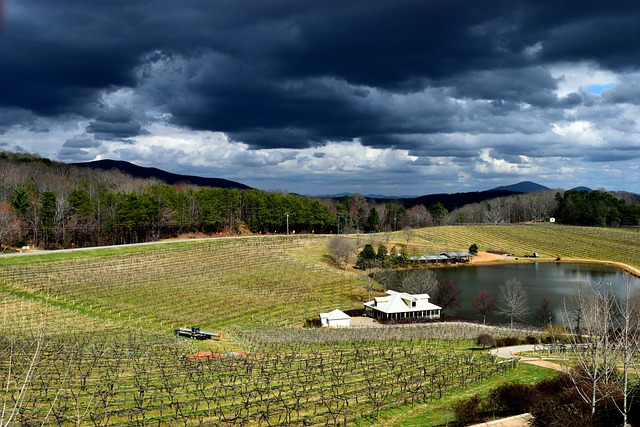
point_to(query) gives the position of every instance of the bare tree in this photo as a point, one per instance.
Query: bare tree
(606, 343)
(513, 300)
(419, 216)
(21, 363)
(494, 213)
(9, 224)
(341, 250)
(627, 343)
(408, 233)
(484, 303)
(448, 296)
(545, 313)
(592, 346)
(420, 282)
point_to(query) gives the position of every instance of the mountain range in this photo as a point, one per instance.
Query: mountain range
(167, 177)
(448, 200)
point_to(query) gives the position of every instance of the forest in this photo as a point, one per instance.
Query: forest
(54, 205)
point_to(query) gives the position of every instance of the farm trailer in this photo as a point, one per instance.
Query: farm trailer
(195, 333)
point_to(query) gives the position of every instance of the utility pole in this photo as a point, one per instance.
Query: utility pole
(287, 214)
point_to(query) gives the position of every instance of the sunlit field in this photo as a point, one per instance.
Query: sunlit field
(87, 336)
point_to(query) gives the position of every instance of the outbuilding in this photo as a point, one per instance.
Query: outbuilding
(455, 257)
(335, 319)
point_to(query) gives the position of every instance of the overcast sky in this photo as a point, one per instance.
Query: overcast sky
(395, 97)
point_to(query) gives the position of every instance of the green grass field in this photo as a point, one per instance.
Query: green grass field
(91, 331)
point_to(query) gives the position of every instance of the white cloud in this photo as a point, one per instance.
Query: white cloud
(578, 133)
(492, 165)
(573, 77)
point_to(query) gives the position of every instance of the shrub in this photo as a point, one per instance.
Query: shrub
(508, 341)
(313, 323)
(562, 405)
(554, 385)
(555, 333)
(512, 399)
(486, 340)
(355, 312)
(531, 339)
(469, 411)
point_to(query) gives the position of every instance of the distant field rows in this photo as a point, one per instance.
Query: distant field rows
(213, 283)
(550, 240)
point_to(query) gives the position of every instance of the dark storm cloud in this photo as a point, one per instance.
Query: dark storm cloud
(115, 123)
(534, 86)
(10, 116)
(292, 73)
(78, 149)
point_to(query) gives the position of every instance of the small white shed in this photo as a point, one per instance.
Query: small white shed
(335, 319)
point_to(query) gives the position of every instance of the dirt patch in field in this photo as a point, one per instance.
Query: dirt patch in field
(206, 355)
(485, 257)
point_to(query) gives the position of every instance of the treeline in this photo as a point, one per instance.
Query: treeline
(595, 208)
(52, 205)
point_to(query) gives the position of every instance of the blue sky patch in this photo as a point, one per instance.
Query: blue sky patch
(597, 89)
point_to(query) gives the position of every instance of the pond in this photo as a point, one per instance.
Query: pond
(556, 280)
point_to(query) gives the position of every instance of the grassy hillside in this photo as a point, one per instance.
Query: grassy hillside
(550, 240)
(90, 331)
(212, 283)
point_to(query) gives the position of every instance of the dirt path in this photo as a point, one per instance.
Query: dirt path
(514, 421)
(512, 352)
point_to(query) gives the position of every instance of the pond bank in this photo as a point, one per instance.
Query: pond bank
(486, 258)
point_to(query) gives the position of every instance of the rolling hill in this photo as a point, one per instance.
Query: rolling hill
(167, 177)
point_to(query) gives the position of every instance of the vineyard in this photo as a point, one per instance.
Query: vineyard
(550, 240)
(86, 336)
(212, 284)
(124, 379)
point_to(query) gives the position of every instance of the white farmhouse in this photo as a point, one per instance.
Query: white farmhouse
(401, 306)
(335, 318)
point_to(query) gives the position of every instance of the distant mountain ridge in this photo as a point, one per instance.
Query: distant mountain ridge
(450, 201)
(456, 200)
(523, 187)
(167, 177)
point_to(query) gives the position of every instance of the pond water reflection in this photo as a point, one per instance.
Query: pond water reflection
(557, 280)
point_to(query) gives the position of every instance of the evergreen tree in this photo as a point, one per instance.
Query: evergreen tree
(47, 215)
(20, 199)
(473, 249)
(366, 258)
(373, 221)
